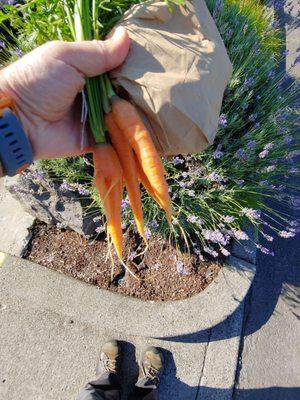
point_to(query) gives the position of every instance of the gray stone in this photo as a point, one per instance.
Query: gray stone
(45, 201)
(15, 224)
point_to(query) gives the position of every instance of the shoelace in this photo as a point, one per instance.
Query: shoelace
(151, 373)
(110, 365)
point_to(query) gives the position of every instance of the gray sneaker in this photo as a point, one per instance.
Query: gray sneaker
(109, 358)
(151, 368)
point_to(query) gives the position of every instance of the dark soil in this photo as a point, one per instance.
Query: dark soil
(164, 273)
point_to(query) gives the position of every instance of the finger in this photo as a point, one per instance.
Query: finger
(95, 57)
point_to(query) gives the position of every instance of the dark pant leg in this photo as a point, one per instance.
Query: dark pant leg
(143, 394)
(104, 388)
(144, 390)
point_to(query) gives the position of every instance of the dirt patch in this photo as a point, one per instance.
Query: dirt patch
(164, 275)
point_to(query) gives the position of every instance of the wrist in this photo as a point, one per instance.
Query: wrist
(8, 87)
(15, 148)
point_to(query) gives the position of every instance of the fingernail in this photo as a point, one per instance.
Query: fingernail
(118, 33)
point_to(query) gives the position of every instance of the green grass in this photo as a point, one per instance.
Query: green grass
(216, 192)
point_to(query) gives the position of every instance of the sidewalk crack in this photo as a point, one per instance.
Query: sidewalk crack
(203, 365)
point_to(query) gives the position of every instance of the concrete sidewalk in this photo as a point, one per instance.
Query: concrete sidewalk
(51, 330)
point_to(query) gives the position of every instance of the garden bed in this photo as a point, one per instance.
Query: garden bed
(163, 273)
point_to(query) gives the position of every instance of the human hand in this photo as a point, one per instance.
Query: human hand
(44, 86)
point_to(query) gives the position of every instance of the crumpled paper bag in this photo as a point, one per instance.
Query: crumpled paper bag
(176, 72)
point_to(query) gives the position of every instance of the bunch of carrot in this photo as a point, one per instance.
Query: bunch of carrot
(129, 156)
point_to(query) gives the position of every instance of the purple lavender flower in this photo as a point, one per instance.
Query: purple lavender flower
(215, 177)
(228, 219)
(294, 170)
(218, 8)
(216, 237)
(218, 153)
(252, 117)
(153, 224)
(225, 252)
(249, 81)
(125, 204)
(181, 268)
(264, 250)
(256, 125)
(271, 75)
(191, 193)
(148, 233)
(15, 189)
(240, 235)
(212, 252)
(10, 2)
(65, 186)
(222, 120)
(242, 155)
(292, 155)
(264, 183)
(256, 48)
(269, 146)
(295, 201)
(286, 234)
(194, 219)
(184, 174)
(2, 44)
(240, 182)
(288, 139)
(270, 168)
(177, 161)
(18, 53)
(229, 34)
(268, 237)
(83, 191)
(38, 175)
(251, 213)
(190, 183)
(251, 145)
(263, 154)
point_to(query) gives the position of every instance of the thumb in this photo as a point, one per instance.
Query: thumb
(95, 57)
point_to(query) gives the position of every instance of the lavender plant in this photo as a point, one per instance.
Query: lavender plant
(216, 192)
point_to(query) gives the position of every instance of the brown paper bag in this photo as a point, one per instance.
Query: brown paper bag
(176, 73)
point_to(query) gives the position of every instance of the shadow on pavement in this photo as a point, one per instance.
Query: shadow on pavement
(270, 393)
(172, 388)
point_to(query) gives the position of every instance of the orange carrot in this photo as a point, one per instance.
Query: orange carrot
(108, 180)
(145, 182)
(128, 120)
(126, 157)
